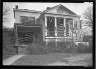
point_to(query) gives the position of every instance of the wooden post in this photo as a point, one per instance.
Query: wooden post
(56, 30)
(16, 36)
(45, 26)
(46, 29)
(55, 26)
(72, 30)
(64, 28)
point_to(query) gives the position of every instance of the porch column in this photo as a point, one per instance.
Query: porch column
(55, 26)
(45, 26)
(64, 27)
(46, 30)
(72, 30)
(56, 30)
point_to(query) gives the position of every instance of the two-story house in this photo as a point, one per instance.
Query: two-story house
(56, 23)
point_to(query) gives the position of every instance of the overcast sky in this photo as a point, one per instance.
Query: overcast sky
(77, 8)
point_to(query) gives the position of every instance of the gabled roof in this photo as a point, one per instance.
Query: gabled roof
(68, 10)
(61, 6)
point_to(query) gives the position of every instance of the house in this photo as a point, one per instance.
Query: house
(56, 23)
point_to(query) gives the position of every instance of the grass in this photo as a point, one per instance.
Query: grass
(55, 58)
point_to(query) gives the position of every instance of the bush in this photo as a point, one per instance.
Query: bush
(61, 44)
(51, 44)
(8, 42)
(86, 38)
(42, 48)
(38, 49)
(82, 48)
(70, 47)
(90, 46)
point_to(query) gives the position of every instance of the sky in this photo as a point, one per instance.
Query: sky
(77, 8)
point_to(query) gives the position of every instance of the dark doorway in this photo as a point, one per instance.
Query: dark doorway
(51, 26)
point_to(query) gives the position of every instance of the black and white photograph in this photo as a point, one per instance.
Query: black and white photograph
(47, 34)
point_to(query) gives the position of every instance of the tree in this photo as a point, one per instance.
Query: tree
(5, 13)
(88, 16)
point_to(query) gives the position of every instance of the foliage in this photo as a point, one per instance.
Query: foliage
(6, 10)
(87, 22)
(69, 47)
(8, 42)
(88, 15)
(86, 38)
(38, 49)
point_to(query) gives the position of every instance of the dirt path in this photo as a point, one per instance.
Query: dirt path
(65, 59)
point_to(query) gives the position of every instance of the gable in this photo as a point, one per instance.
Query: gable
(60, 9)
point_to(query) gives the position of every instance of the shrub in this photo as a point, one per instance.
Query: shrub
(42, 48)
(51, 44)
(38, 49)
(86, 38)
(90, 46)
(82, 48)
(70, 47)
(61, 45)
(8, 41)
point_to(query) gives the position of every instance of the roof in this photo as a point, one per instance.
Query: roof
(61, 6)
(26, 10)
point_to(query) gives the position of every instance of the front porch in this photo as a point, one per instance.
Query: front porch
(61, 28)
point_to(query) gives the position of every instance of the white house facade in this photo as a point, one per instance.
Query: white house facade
(56, 23)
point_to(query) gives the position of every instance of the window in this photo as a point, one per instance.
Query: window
(25, 19)
(75, 24)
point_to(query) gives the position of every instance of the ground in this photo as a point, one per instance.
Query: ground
(66, 59)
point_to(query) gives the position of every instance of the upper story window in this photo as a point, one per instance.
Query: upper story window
(26, 19)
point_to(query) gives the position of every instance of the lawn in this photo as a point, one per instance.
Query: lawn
(66, 59)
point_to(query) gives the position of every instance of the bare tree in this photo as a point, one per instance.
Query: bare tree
(88, 16)
(5, 13)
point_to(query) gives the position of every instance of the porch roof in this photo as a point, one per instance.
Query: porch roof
(26, 28)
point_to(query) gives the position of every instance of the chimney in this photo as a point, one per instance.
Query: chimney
(16, 6)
